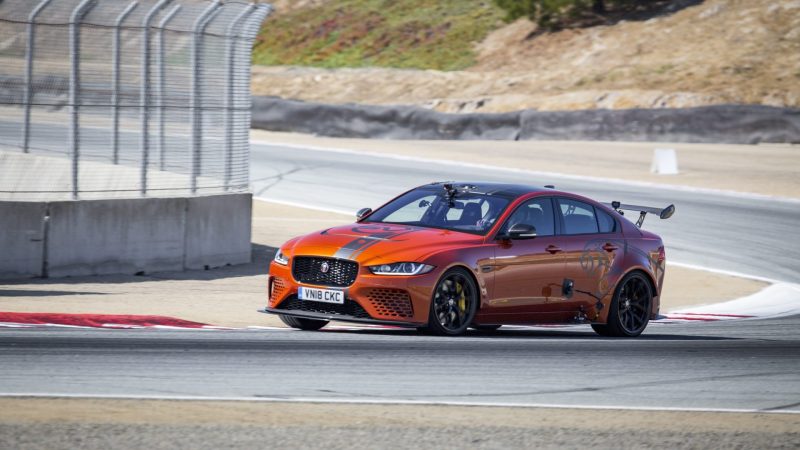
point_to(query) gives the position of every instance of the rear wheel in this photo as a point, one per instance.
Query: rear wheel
(303, 324)
(630, 308)
(454, 303)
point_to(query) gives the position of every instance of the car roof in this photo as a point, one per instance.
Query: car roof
(499, 189)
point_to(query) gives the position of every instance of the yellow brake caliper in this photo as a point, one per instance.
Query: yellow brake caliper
(462, 300)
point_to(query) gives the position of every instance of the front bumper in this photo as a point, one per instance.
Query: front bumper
(341, 318)
(393, 300)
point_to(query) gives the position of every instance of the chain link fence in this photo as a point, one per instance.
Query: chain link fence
(125, 98)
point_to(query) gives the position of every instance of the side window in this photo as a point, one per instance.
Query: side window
(606, 222)
(578, 217)
(537, 212)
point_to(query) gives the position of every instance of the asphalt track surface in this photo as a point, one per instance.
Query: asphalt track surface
(757, 237)
(733, 365)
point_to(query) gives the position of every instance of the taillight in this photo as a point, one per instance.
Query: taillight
(661, 254)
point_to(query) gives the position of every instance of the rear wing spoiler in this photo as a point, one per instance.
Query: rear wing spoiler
(665, 213)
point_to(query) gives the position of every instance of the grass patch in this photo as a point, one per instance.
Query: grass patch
(414, 34)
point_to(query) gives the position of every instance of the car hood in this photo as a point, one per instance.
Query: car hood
(379, 243)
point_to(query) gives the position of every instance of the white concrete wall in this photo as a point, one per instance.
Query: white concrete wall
(91, 237)
(21, 239)
(218, 230)
(116, 236)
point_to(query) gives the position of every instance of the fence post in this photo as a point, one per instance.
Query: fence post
(28, 95)
(115, 79)
(144, 93)
(195, 101)
(161, 78)
(74, 87)
(232, 34)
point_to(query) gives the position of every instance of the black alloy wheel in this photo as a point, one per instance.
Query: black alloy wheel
(454, 303)
(630, 308)
(303, 324)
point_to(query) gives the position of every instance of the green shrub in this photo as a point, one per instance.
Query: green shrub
(556, 14)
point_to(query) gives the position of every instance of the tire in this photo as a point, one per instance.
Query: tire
(453, 303)
(485, 328)
(303, 324)
(630, 308)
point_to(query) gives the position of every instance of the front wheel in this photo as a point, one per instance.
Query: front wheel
(630, 308)
(453, 304)
(303, 324)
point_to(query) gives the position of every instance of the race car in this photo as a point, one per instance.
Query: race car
(449, 256)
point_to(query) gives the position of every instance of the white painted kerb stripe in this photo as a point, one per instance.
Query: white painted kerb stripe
(368, 401)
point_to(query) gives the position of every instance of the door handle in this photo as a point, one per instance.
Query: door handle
(553, 249)
(610, 247)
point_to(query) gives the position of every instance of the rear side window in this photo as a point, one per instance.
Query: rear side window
(577, 217)
(606, 222)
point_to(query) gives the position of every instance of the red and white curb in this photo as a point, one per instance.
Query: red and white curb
(108, 321)
(132, 322)
(777, 300)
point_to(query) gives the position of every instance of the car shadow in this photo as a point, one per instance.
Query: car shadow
(535, 334)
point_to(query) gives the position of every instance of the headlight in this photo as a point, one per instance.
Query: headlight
(403, 268)
(281, 259)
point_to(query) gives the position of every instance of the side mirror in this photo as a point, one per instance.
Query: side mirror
(363, 212)
(521, 231)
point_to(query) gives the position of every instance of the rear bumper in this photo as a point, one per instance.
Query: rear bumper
(338, 317)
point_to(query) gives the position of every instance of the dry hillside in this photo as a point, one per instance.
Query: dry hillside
(735, 51)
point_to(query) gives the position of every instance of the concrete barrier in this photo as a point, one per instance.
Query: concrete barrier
(92, 237)
(218, 230)
(385, 122)
(123, 236)
(734, 124)
(21, 239)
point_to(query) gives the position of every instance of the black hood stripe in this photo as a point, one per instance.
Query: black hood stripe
(352, 249)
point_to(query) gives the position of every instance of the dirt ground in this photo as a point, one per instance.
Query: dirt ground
(93, 423)
(230, 296)
(768, 169)
(715, 52)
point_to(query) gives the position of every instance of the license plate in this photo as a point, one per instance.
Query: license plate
(320, 295)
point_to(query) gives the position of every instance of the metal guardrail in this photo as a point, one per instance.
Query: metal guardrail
(125, 98)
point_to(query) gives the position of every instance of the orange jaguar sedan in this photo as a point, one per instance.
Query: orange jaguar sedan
(446, 257)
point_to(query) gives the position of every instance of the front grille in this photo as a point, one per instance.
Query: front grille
(308, 269)
(349, 308)
(391, 303)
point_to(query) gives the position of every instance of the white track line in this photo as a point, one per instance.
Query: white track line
(450, 162)
(669, 262)
(352, 214)
(723, 272)
(392, 402)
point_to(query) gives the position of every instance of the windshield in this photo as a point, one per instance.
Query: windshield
(465, 211)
